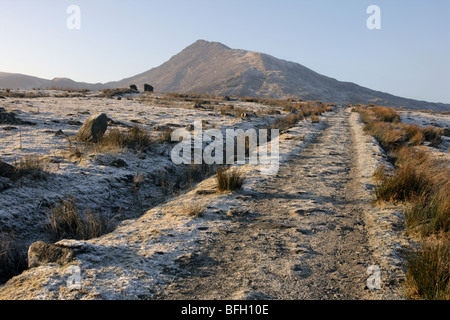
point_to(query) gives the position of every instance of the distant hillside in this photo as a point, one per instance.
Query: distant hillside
(21, 81)
(213, 68)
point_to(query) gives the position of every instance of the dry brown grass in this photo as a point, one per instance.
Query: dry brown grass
(410, 178)
(32, 166)
(194, 209)
(315, 119)
(423, 183)
(432, 135)
(136, 138)
(229, 179)
(428, 271)
(66, 221)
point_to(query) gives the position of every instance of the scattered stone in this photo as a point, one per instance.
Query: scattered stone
(206, 192)
(9, 128)
(237, 212)
(60, 133)
(75, 123)
(41, 253)
(119, 163)
(93, 128)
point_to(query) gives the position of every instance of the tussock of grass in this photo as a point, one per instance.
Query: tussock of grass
(425, 185)
(195, 209)
(428, 274)
(66, 221)
(429, 213)
(229, 179)
(315, 119)
(135, 138)
(32, 166)
(432, 135)
(408, 181)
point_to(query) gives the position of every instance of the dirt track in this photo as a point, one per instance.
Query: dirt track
(303, 238)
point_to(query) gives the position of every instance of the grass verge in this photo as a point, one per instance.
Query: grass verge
(423, 184)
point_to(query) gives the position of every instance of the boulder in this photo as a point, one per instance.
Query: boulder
(119, 163)
(75, 123)
(93, 128)
(8, 117)
(6, 170)
(148, 88)
(134, 87)
(41, 253)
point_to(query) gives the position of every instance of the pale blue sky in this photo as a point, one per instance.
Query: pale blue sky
(409, 56)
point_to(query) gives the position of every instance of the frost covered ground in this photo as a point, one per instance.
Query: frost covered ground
(93, 178)
(156, 244)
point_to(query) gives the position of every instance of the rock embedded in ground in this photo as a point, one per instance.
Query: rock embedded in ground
(40, 253)
(93, 128)
(119, 163)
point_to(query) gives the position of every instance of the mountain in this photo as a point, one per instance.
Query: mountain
(25, 82)
(213, 68)
(21, 81)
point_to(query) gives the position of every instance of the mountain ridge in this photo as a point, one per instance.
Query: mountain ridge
(214, 68)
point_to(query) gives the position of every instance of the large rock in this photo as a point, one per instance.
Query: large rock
(148, 88)
(93, 128)
(40, 253)
(6, 170)
(8, 117)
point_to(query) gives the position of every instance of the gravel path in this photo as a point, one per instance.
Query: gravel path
(302, 237)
